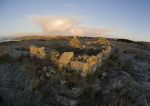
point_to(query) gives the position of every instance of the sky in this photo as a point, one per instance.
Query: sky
(128, 19)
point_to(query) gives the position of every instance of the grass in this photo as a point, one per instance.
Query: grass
(37, 83)
(22, 49)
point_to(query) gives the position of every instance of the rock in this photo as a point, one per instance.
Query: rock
(65, 58)
(92, 63)
(89, 66)
(38, 52)
(80, 67)
(76, 65)
(83, 68)
(75, 43)
(92, 59)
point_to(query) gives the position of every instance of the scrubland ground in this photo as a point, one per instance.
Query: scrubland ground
(124, 80)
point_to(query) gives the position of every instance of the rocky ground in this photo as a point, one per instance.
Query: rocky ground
(124, 80)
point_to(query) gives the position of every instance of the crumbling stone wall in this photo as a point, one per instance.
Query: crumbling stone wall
(38, 52)
(92, 62)
(75, 43)
(99, 41)
(67, 60)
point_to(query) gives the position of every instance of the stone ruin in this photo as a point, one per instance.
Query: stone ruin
(75, 43)
(83, 64)
(38, 54)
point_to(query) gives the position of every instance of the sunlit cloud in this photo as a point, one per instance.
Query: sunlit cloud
(66, 25)
(54, 24)
(89, 31)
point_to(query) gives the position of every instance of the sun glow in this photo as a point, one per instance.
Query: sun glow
(59, 22)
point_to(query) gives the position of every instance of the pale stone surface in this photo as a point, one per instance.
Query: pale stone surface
(77, 65)
(65, 58)
(89, 67)
(38, 52)
(75, 43)
(92, 63)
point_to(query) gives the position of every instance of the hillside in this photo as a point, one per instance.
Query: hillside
(122, 79)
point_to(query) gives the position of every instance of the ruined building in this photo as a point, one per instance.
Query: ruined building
(83, 64)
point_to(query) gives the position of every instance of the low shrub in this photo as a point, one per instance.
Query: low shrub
(4, 57)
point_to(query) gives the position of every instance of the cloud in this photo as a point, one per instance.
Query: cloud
(89, 31)
(54, 24)
(66, 25)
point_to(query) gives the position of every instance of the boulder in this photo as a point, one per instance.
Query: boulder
(65, 59)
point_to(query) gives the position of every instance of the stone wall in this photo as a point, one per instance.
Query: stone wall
(38, 52)
(82, 64)
(89, 66)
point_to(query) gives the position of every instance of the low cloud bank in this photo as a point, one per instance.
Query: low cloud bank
(66, 25)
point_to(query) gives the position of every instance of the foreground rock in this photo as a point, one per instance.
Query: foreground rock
(65, 58)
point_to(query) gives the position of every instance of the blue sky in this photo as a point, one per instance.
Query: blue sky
(126, 18)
